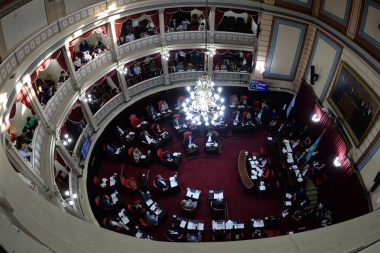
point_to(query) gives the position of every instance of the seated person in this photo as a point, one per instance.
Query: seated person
(271, 126)
(259, 233)
(110, 149)
(217, 67)
(150, 28)
(168, 156)
(189, 204)
(244, 103)
(151, 110)
(164, 106)
(161, 183)
(104, 183)
(174, 234)
(236, 117)
(223, 67)
(146, 138)
(211, 138)
(182, 27)
(247, 118)
(86, 57)
(236, 236)
(50, 93)
(189, 67)
(180, 67)
(107, 201)
(296, 146)
(157, 129)
(121, 41)
(235, 68)
(99, 44)
(24, 151)
(129, 37)
(137, 155)
(120, 132)
(219, 235)
(189, 141)
(137, 208)
(262, 162)
(151, 218)
(98, 52)
(218, 204)
(177, 122)
(29, 127)
(244, 68)
(136, 69)
(116, 223)
(234, 100)
(64, 77)
(194, 236)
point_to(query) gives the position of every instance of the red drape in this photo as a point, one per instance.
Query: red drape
(100, 29)
(342, 190)
(58, 56)
(76, 113)
(217, 59)
(24, 98)
(168, 13)
(154, 17)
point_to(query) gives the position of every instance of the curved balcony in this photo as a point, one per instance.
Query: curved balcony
(234, 38)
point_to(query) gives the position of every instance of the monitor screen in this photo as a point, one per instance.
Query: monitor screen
(259, 86)
(86, 147)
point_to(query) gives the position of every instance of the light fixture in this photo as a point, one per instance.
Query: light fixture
(315, 118)
(88, 98)
(67, 140)
(260, 66)
(75, 196)
(165, 53)
(204, 100)
(337, 162)
(122, 70)
(71, 202)
(67, 193)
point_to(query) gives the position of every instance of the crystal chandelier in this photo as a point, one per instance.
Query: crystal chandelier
(204, 101)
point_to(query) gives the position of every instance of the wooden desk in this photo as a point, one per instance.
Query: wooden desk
(243, 173)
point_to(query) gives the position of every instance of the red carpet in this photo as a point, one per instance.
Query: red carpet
(205, 173)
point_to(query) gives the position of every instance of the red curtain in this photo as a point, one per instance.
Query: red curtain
(168, 13)
(100, 29)
(219, 14)
(154, 17)
(342, 190)
(76, 114)
(59, 159)
(58, 56)
(217, 58)
(24, 98)
(115, 80)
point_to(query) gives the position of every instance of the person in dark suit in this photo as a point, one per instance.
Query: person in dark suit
(296, 146)
(168, 156)
(151, 110)
(300, 157)
(274, 114)
(173, 23)
(219, 235)
(189, 140)
(146, 138)
(84, 47)
(177, 122)
(211, 138)
(293, 128)
(110, 149)
(218, 203)
(174, 234)
(161, 183)
(106, 201)
(247, 118)
(236, 117)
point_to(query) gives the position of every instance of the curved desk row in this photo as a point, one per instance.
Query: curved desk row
(242, 167)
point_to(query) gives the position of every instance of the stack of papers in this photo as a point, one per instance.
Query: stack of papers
(112, 181)
(138, 234)
(288, 203)
(143, 156)
(289, 196)
(290, 160)
(270, 139)
(192, 194)
(114, 197)
(254, 177)
(176, 154)
(124, 219)
(288, 148)
(153, 207)
(149, 202)
(173, 184)
(262, 188)
(183, 224)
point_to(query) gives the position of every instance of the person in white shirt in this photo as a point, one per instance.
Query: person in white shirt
(210, 138)
(137, 69)
(164, 106)
(24, 151)
(86, 57)
(77, 63)
(129, 37)
(150, 28)
(182, 27)
(201, 27)
(145, 138)
(186, 22)
(262, 162)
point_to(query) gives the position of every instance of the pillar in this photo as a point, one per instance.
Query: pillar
(88, 115)
(162, 27)
(114, 38)
(124, 86)
(66, 155)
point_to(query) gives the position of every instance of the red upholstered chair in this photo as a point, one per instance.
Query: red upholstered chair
(267, 174)
(176, 116)
(130, 153)
(215, 133)
(96, 181)
(272, 232)
(138, 78)
(131, 82)
(231, 98)
(160, 105)
(256, 105)
(258, 153)
(152, 127)
(322, 179)
(134, 120)
(242, 98)
(130, 183)
(160, 153)
(98, 202)
(105, 222)
(145, 223)
(185, 135)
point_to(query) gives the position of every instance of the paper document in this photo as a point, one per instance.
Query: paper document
(176, 154)
(286, 141)
(288, 203)
(289, 196)
(176, 127)
(112, 181)
(138, 234)
(201, 226)
(173, 184)
(153, 207)
(149, 202)
(270, 139)
(295, 166)
(117, 151)
(288, 148)
(284, 150)
(290, 160)
(125, 220)
(300, 179)
(229, 224)
(262, 188)
(183, 224)
(253, 177)
(239, 225)
(143, 156)
(218, 195)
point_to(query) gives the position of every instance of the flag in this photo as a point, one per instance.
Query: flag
(291, 105)
(314, 147)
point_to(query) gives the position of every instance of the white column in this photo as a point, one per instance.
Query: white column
(211, 23)
(88, 115)
(124, 86)
(113, 36)
(162, 26)
(166, 71)
(66, 155)
(69, 62)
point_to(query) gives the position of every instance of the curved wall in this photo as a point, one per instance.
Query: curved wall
(29, 210)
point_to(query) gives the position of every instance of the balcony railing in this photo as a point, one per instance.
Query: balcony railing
(108, 107)
(234, 38)
(186, 37)
(139, 45)
(94, 66)
(145, 85)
